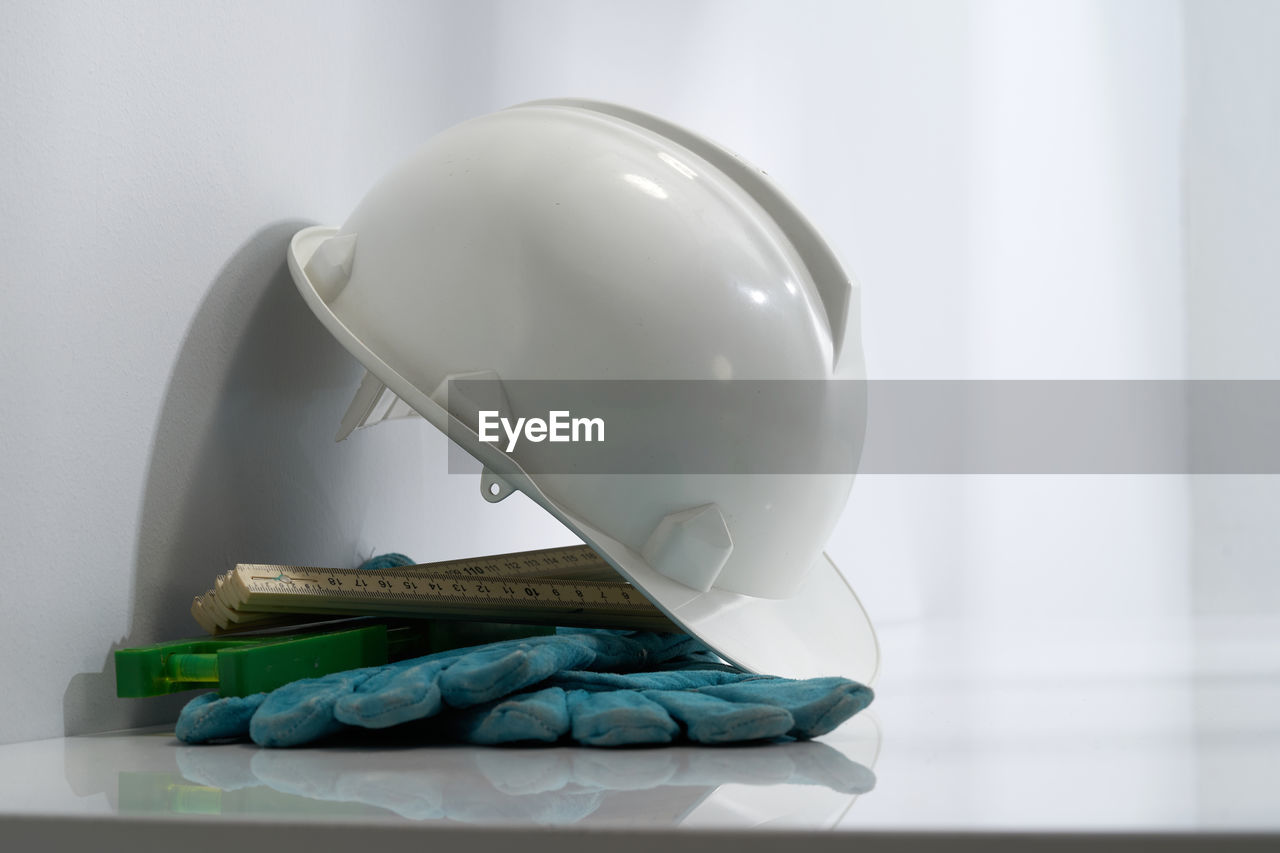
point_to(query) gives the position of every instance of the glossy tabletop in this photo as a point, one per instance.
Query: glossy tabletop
(1048, 731)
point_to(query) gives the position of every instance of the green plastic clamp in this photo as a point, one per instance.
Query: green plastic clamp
(244, 666)
(247, 665)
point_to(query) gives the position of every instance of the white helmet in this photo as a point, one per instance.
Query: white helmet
(576, 240)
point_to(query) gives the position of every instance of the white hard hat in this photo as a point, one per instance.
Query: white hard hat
(577, 240)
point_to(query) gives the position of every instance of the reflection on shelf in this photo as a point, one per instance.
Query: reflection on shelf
(810, 784)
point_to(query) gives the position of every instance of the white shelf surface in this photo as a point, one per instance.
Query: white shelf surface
(1060, 732)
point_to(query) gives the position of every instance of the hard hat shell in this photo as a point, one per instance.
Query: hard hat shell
(577, 240)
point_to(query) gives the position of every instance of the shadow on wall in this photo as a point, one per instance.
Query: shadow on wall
(243, 465)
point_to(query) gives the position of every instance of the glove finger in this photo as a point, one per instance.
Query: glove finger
(711, 719)
(381, 679)
(619, 718)
(414, 689)
(383, 676)
(391, 698)
(540, 716)
(393, 560)
(499, 670)
(818, 705)
(210, 717)
(491, 673)
(676, 679)
(302, 711)
(627, 651)
(673, 650)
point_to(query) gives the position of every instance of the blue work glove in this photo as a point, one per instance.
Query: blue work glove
(382, 696)
(703, 706)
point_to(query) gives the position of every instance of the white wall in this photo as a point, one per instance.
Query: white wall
(1233, 276)
(1002, 177)
(171, 402)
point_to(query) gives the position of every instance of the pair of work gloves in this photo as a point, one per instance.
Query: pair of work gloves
(594, 687)
(598, 688)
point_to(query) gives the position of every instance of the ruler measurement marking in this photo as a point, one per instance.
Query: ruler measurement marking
(528, 590)
(553, 586)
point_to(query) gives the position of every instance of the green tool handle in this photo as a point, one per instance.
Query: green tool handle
(258, 664)
(202, 669)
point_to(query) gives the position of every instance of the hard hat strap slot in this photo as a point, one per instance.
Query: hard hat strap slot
(372, 404)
